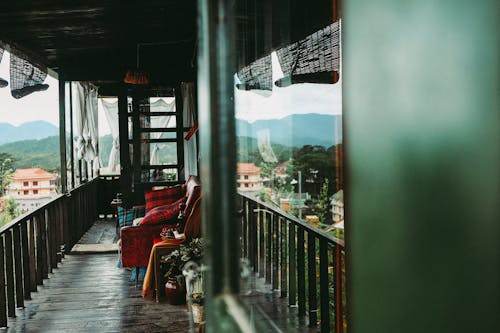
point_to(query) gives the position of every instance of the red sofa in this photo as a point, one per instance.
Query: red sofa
(137, 241)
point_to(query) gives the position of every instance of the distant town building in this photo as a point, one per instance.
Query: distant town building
(248, 177)
(31, 188)
(337, 202)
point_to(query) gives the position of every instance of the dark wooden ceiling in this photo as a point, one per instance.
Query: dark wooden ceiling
(96, 40)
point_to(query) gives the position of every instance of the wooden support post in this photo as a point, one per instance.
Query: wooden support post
(62, 133)
(179, 118)
(71, 135)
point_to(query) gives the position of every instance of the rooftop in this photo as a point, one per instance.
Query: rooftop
(33, 173)
(247, 168)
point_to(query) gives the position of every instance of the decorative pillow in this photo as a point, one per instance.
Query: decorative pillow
(125, 216)
(163, 197)
(139, 211)
(163, 213)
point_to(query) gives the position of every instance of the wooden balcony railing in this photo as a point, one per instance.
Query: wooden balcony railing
(275, 244)
(33, 244)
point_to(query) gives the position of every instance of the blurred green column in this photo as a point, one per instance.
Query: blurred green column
(422, 134)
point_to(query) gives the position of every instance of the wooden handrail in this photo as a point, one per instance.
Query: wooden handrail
(319, 233)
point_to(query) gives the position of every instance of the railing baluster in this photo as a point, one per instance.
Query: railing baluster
(48, 239)
(262, 257)
(62, 228)
(55, 236)
(3, 298)
(39, 250)
(292, 268)
(301, 274)
(26, 260)
(323, 285)
(337, 288)
(276, 257)
(32, 256)
(252, 231)
(43, 241)
(311, 274)
(269, 247)
(18, 264)
(244, 228)
(283, 263)
(11, 307)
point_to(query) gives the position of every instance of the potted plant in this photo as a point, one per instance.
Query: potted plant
(179, 264)
(175, 289)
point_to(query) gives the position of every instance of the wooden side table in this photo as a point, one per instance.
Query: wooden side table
(158, 252)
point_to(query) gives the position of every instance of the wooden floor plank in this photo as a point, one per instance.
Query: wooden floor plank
(88, 293)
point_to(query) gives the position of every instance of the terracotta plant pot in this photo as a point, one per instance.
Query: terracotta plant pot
(175, 292)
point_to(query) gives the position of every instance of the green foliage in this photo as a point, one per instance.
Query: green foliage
(42, 153)
(323, 203)
(6, 162)
(9, 211)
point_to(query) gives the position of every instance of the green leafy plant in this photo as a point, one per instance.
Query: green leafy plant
(191, 251)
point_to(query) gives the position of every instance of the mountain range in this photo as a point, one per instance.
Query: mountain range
(32, 130)
(296, 130)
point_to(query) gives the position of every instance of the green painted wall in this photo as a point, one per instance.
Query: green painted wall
(422, 130)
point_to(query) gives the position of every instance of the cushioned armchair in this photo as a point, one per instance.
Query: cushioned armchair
(137, 241)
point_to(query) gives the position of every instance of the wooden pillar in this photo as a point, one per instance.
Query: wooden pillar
(62, 133)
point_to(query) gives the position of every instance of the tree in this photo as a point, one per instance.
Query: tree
(6, 162)
(9, 211)
(323, 203)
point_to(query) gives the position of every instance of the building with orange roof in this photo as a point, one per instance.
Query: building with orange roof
(31, 188)
(248, 177)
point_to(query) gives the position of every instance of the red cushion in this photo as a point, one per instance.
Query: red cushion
(163, 213)
(163, 197)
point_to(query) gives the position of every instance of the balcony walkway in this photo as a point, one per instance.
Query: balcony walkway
(88, 293)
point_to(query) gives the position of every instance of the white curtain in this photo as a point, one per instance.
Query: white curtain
(190, 149)
(160, 122)
(85, 125)
(111, 113)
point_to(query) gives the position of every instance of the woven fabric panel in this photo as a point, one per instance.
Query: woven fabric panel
(258, 75)
(25, 78)
(315, 57)
(3, 83)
